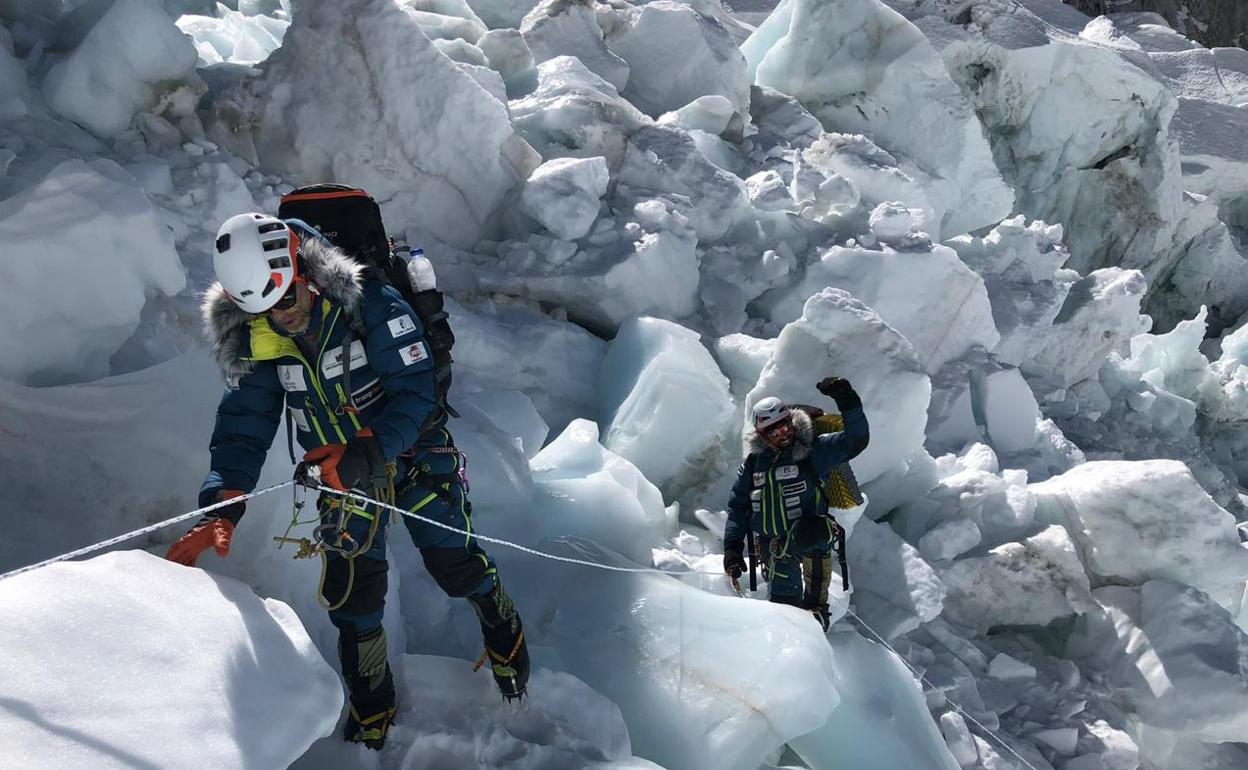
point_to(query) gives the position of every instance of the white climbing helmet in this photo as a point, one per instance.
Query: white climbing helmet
(770, 411)
(254, 260)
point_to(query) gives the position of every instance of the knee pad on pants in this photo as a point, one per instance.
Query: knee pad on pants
(458, 571)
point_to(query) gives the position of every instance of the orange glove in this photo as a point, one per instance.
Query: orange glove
(345, 466)
(327, 457)
(213, 533)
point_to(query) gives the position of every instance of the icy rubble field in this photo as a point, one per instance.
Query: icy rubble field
(1019, 231)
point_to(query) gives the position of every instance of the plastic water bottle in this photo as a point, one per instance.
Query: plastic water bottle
(420, 271)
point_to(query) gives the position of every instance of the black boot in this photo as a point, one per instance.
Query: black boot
(505, 648)
(370, 683)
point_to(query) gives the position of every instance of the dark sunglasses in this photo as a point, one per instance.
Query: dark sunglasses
(288, 299)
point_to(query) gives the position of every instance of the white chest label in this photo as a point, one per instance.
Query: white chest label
(331, 364)
(759, 479)
(291, 377)
(401, 325)
(785, 472)
(413, 354)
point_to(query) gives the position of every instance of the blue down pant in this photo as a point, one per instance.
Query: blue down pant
(800, 578)
(356, 587)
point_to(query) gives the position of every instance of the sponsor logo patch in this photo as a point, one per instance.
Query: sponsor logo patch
(759, 479)
(367, 395)
(401, 325)
(793, 487)
(786, 472)
(413, 354)
(291, 376)
(331, 364)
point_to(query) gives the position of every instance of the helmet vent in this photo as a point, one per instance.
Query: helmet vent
(223, 243)
(279, 262)
(275, 244)
(270, 227)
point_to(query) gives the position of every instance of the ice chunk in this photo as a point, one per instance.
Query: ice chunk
(510, 56)
(742, 358)
(513, 413)
(593, 493)
(563, 195)
(14, 89)
(676, 54)
(1100, 314)
(711, 113)
(1174, 655)
(881, 720)
(1137, 521)
(837, 335)
(665, 405)
(891, 569)
(66, 330)
(897, 226)
(449, 712)
(509, 346)
(1063, 739)
(856, 64)
(501, 14)
(1031, 582)
(736, 273)
(233, 656)
(570, 28)
(574, 113)
(930, 296)
(958, 739)
(704, 682)
(132, 54)
(666, 161)
(652, 271)
(949, 539)
(1009, 410)
(234, 37)
(438, 152)
(446, 19)
(1005, 667)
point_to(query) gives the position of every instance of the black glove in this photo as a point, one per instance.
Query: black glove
(362, 463)
(839, 390)
(734, 563)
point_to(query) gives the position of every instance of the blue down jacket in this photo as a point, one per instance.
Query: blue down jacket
(391, 376)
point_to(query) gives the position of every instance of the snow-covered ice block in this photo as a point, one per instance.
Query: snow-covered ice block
(930, 296)
(665, 405)
(949, 539)
(667, 161)
(1173, 654)
(438, 152)
(958, 739)
(881, 720)
(1028, 583)
(92, 221)
(563, 195)
(1100, 314)
(735, 273)
(742, 358)
(856, 64)
(678, 53)
(129, 57)
(570, 28)
(14, 88)
(704, 682)
(892, 569)
(593, 493)
(200, 661)
(711, 113)
(575, 113)
(837, 335)
(1137, 521)
(233, 37)
(441, 20)
(640, 270)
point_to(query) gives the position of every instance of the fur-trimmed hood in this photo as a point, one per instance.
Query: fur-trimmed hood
(803, 428)
(335, 275)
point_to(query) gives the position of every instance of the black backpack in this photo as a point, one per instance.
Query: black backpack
(350, 219)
